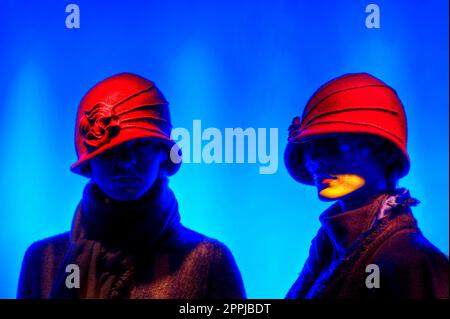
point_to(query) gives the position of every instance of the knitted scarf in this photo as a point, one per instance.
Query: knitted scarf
(108, 237)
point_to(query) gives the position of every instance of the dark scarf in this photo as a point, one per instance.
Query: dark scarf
(108, 237)
(344, 238)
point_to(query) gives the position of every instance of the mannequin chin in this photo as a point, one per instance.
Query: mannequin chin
(342, 185)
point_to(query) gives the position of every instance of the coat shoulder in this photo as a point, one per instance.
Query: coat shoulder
(407, 247)
(211, 257)
(186, 239)
(56, 244)
(44, 255)
(39, 264)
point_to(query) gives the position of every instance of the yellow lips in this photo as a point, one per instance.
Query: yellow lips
(343, 184)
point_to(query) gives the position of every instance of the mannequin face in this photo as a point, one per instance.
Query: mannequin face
(344, 170)
(128, 171)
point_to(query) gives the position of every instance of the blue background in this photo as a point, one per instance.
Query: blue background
(230, 64)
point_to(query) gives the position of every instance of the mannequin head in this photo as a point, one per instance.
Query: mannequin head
(351, 168)
(128, 171)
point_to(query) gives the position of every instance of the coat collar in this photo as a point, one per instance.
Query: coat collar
(343, 228)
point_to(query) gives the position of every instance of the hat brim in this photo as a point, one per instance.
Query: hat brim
(294, 152)
(81, 167)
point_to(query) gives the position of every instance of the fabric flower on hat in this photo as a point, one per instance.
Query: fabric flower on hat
(99, 125)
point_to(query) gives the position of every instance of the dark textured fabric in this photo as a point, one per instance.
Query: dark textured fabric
(130, 250)
(343, 228)
(107, 236)
(384, 233)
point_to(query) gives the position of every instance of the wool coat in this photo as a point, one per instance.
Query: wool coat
(169, 261)
(187, 265)
(380, 239)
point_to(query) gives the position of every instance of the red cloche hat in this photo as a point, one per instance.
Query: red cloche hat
(118, 109)
(352, 103)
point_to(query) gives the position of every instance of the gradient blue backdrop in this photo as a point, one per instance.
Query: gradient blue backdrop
(229, 64)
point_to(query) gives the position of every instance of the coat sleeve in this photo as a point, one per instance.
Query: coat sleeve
(225, 280)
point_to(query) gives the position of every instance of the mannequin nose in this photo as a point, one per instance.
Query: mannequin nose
(126, 164)
(320, 164)
(126, 159)
(316, 165)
